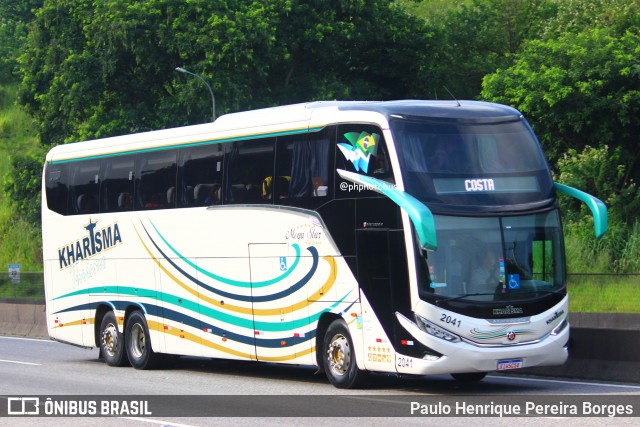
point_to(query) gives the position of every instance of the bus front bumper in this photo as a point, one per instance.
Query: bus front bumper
(462, 356)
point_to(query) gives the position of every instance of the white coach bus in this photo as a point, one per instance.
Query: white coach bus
(411, 237)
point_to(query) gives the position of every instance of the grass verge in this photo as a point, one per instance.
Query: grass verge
(604, 294)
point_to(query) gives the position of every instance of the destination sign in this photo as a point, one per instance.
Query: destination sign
(512, 184)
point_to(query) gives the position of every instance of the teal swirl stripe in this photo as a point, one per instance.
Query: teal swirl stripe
(228, 281)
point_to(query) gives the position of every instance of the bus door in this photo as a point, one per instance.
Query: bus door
(276, 331)
(383, 279)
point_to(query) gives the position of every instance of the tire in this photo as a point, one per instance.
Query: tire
(469, 377)
(138, 342)
(111, 341)
(339, 358)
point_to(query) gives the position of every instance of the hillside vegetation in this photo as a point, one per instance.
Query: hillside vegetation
(20, 239)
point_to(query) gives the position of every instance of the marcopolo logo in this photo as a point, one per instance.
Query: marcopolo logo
(508, 310)
(96, 242)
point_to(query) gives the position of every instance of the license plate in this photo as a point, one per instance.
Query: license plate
(504, 365)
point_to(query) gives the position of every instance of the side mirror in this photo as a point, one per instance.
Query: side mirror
(598, 209)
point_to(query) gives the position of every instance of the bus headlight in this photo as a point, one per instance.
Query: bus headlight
(435, 330)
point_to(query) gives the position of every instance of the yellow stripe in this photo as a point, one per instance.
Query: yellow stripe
(196, 339)
(72, 323)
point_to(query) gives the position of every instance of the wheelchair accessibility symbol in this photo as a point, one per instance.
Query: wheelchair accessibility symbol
(283, 263)
(514, 281)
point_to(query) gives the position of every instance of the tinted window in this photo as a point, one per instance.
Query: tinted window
(495, 259)
(85, 187)
(248, 171)
(117, 184)
(56, 181)
(453, 148)
(201, 175)
(156, 181)
(303, 166)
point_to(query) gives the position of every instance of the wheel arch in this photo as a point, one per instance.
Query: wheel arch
(323, 324)
(107, 306)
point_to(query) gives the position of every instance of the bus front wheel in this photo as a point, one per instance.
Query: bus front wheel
(138, 343)
(111, 341)
(340, 358)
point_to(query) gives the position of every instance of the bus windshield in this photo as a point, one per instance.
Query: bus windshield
(495, 259)
(480, 162)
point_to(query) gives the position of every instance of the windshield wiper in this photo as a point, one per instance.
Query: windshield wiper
(463, 296)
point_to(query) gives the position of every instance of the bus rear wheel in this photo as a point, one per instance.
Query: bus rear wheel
(138, 342)
(469, 377)
(111, 341)
(339, 357)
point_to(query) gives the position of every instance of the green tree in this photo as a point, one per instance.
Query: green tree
(349, 50)
(577, 15)
(93, 69)
(479, 37)
(580, 89)
(87, 70)
(23, 185)
(14, 18)
(602, 172)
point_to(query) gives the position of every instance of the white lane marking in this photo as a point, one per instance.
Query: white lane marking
(20, 363)
(567, 382)
(27, 339)
(161, 422)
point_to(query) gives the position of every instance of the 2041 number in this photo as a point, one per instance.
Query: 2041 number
(404, 362)
(450, 320)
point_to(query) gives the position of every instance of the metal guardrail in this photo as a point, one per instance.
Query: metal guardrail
(26, 287)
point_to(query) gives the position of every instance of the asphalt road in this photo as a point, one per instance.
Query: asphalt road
(262, 394)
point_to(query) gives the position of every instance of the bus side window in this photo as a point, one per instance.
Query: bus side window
(303, 168)
(247, 165)
(155, 175)
(117, 184)
(85, 187)
(200, 175)
(57, 189)
(289, 183)
(321, 162)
